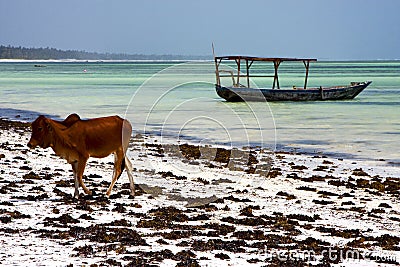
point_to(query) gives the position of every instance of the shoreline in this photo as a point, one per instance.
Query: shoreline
(202, 209)
(27, 116)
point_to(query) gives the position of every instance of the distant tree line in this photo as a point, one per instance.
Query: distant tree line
(11, 52)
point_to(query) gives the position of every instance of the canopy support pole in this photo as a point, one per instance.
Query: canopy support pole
(247, 73)
(276, 78)
(306, 65)
(238, 72)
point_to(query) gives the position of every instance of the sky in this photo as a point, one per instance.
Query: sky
(335, 30)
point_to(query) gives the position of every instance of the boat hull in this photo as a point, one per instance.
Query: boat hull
(235, 94)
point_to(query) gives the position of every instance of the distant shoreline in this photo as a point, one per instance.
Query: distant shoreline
(12, 53)
(24, 53)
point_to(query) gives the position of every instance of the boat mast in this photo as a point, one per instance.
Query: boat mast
(218, 79)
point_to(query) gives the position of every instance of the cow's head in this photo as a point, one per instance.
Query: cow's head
(41, 133)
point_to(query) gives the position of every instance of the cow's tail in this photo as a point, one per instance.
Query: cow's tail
(122, 165)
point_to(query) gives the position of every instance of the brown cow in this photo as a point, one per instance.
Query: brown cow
(76, 140)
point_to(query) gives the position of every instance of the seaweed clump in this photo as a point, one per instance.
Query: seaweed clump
(163, 218)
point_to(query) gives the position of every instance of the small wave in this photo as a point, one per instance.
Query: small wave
(23, 115)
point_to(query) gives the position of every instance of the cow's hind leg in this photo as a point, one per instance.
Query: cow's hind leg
(119, 164)
(74, 169)
(129, 170)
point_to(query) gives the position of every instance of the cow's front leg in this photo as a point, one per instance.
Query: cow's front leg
(81, 164)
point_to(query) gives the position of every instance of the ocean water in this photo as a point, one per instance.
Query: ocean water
(177, 101)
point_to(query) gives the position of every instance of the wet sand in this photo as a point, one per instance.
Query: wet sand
(196, 206)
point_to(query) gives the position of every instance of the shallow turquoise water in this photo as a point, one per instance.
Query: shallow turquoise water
(178, 101)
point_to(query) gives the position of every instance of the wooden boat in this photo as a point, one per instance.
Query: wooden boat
(240, 92)
(234, 94)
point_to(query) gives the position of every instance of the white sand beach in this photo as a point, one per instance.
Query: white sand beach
(191, 209)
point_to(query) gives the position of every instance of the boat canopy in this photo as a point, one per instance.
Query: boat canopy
(249, 60)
